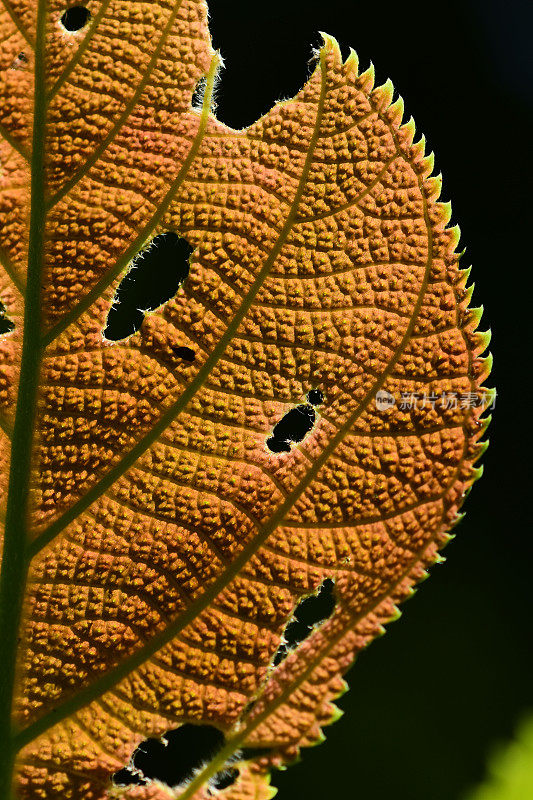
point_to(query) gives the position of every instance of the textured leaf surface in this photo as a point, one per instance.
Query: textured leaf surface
(155, 548)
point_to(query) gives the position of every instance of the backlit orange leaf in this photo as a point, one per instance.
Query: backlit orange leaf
(156, 543)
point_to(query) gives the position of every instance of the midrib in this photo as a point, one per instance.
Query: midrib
(14, 562)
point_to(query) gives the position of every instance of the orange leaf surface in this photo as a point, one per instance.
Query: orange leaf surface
(155, 547)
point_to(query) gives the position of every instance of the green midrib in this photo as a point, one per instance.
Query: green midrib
(14, 562)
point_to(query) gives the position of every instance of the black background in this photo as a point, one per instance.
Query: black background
(453, 676)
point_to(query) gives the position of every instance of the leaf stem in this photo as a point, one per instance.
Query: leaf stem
(14, 563)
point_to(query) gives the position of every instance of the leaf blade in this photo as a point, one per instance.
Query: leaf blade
(241, 533)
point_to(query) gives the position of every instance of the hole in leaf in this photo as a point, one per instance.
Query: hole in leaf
(197, 99)
(315, 397)
(75, 18)
(247, 753)
(173, 759)
(295, 424)
(125, 777)
(309, 612)
(184, 352)
(155, 276)
(5, 323)
(225, 778)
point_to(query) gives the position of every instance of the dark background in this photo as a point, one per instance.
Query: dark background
(450, 680)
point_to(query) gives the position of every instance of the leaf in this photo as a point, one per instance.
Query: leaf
(155, 548)
(510, 769)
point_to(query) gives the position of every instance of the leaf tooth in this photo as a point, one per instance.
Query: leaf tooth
(484, 422)
(433, 187)
(418, 149)
(443, 213)
(407, 132)
(424, 576)
(428, 165)
(396, 614)
(477, 472)
(479, 449)
(464, 275)
(337, 713)
(473, 315)
(382, 95)
(446, 538)
(352, 63)
(318, 738)
(458, 518)
(483, 367)
(395, 112)
(367, 78)
(454, 233)
(491, 397)
(481, 340)
(465, 302)
(470, 482)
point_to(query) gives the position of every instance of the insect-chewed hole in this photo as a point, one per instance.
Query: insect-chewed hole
(6, 326)
(309, 612)
(185, 353)
(154, 277)
(315, 397)
(172, 759)
(225, 778)
(126, 777)
(295, 424)
(197, 99)
(75, 18)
